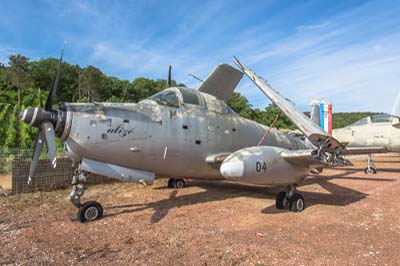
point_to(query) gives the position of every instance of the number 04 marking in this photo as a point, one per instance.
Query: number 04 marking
(261, 166)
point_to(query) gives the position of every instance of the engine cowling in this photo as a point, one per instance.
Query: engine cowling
(262, 165)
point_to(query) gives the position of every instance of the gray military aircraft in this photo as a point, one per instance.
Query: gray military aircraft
(375, 134)
(180, 133)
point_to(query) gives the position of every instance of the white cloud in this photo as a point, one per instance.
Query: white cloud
(350, 57)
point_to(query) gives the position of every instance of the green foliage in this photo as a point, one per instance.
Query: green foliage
(240, 105)
(5, 116)
(18, 72)
(11, 138)
(91, 84)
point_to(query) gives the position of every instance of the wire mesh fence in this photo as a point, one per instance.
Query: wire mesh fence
(14, 172)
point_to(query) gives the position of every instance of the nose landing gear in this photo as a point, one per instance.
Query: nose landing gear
(176, 183)
(290, 199)
(370, 169)
(88, 211)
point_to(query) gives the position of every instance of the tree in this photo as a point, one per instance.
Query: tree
(2, 74)
(4, 123)
(11, 140)
(18, 75)
(90, 83)
(283, 122)
(43, 72)
(240, 105)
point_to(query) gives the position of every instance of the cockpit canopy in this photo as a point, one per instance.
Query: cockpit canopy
(180, 96)
(378, 118)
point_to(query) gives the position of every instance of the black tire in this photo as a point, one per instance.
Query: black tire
(170, 181)
(280, 200)
(296, 203)
(90, 211)
(178, 183)
(370, 170)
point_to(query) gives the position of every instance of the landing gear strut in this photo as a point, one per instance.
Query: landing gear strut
(290, 199)
(88, 211)
(176, 183)
(370, 169)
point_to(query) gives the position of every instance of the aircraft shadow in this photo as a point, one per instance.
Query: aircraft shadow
(390, 161)
(219, 190)
(388, 170)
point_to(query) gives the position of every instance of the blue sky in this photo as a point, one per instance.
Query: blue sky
(345, 51)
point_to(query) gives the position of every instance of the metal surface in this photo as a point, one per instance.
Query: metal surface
(221, 82)
(117, 172)
(263, 166)
(372, 134)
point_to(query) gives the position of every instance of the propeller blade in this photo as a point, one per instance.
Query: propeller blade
(48, 131)
(36, 153)
(40, 98)
(53, 90)
(169, 80)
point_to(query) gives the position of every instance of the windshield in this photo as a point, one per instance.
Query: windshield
(167, 98)
(361, 122)
(189, 96)
(381, 118)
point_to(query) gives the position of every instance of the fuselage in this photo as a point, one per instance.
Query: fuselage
(171, 138)
(372, 131)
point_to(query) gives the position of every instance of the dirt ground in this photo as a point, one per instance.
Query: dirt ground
(351, 219)
(5, 182)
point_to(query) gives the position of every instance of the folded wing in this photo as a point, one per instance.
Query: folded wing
(315, 134)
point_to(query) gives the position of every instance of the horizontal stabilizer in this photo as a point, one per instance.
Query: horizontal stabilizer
(221, 82)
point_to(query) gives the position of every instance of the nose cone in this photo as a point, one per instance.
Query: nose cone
(232, 169)
(23, 116)
(29, 115)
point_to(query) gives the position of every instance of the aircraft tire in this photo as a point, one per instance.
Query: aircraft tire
(372, 170)
(296, 203)
(178, 183)
(280, 200)
(90, 211)
(170, 181)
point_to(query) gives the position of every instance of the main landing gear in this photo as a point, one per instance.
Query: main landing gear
(290, 199)
(88, 211)
(370, 169)
(176, 183)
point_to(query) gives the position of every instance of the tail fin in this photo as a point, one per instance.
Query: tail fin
(321, 114)
(315, 112)
(396, 106)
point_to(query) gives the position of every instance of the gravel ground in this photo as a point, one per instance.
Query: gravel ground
(351, 219)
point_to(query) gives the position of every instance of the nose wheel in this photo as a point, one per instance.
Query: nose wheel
(176, 183)
(88, 211)
(290, 199)
(370, 169)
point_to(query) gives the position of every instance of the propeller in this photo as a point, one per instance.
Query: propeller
(40, 98)
(44, 119)
(169, 80)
